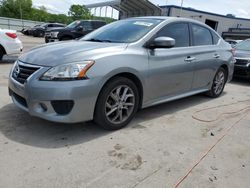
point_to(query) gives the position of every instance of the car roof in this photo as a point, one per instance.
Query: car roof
(169, 18)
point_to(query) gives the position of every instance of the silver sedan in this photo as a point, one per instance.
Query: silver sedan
(119, 68)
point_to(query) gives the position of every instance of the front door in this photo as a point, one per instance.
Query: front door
(171, 70)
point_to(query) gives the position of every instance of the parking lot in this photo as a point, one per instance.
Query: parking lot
(189, 143)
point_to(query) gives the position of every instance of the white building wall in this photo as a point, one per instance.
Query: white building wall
(224, 23)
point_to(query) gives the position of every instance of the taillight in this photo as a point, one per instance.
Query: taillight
(11, 35)
(233, 51)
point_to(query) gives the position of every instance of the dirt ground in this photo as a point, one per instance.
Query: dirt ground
(196, 142)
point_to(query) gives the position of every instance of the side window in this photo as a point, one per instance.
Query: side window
(86, 25)
(201, 36)
(177, 31)
(50, 25)
(98, 24)
(216, 38)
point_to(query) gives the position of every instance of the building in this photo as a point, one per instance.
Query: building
(228, 26)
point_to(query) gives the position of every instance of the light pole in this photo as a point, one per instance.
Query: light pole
(181, 8)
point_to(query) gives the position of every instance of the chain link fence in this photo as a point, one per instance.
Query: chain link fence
(16, 24)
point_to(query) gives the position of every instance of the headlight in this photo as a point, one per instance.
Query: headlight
(54, 34)
(72, 71)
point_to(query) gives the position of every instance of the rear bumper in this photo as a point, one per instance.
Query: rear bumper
(13, 47)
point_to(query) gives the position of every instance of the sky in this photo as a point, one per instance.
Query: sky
(238, 8)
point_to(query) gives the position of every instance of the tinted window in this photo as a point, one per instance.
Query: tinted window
(86, 25)
(201, 36)
(98, 24)
(178, 31)
(50, 25)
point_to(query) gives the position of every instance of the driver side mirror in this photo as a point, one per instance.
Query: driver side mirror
(162, 42)
(80, 28)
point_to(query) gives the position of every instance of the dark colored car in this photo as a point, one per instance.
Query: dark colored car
(29, 30)
(40, 31)
(242, 56)
(74, 30)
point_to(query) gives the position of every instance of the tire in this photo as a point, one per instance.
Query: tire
(112, 111)
(219, 82)
(1, 54)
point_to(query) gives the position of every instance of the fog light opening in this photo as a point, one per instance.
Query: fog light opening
(43, 107)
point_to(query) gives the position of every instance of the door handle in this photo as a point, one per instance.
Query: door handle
(189, 59)
(216, 55)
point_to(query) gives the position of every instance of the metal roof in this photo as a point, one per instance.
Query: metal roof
(131, 8)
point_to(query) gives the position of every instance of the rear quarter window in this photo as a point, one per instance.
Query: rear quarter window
(216, 38)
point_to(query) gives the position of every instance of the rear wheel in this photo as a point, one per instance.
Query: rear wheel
(117, 104)
(218, 83)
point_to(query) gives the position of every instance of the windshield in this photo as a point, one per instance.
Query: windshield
(73, 24)
(43, 25)
(125, 31)
(244, 45)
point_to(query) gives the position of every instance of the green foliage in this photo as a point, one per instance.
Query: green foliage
(23, 9)
(11, 8)
(78, 12)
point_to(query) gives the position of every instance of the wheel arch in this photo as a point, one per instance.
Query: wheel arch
(133, 77)
(225, 67)
(3, 49)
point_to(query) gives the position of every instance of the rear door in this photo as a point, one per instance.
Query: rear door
(206, 56)
(170, 71)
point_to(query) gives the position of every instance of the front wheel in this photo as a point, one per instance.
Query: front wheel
(117, 104)
(218, 83)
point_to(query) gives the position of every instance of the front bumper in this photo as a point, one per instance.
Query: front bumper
(242, 71)
(49, 39)
(38, 98)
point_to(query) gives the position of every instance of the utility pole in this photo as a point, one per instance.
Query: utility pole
(21, 13)
(181, 8)
(20, 8)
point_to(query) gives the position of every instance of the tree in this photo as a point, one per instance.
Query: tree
(79, 12)
(16, 8)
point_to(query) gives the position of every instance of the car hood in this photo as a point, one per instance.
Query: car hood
(242, 54)
(53, 54)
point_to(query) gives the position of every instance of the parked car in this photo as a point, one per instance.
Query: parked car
(9, 43)
(127, 65)
(40, 30)
(74, 30)
(232, 42)
(29, 30)
(242, 56)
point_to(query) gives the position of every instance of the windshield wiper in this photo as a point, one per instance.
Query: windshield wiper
(98, 40)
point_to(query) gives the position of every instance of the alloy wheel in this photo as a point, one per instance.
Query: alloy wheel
(120, 104)
(219, 82)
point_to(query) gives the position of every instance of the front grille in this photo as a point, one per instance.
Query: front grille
(22, 72)
(242, 62)
(47, 34)
(241, 72)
